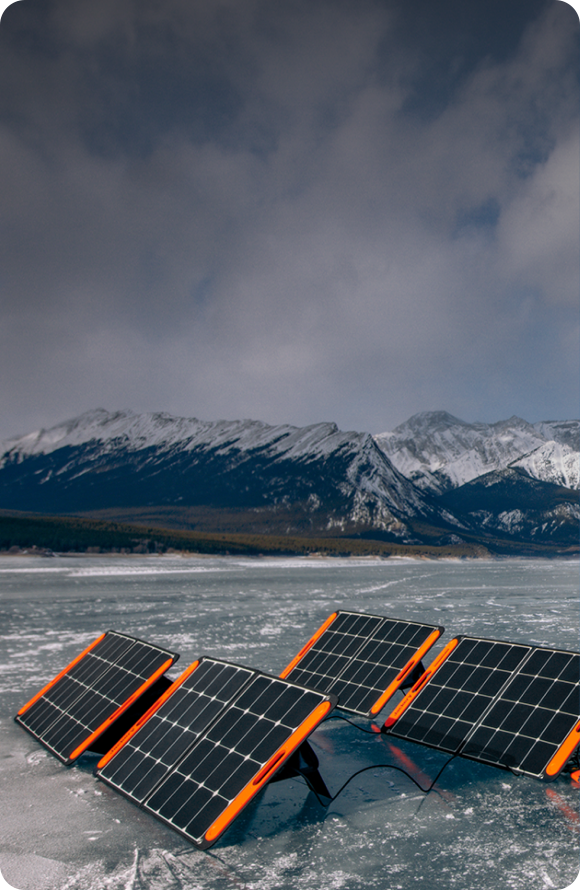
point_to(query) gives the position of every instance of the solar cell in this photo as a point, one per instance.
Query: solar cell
(507, 704)
(92, 692)
(209, 745)
(363, 659)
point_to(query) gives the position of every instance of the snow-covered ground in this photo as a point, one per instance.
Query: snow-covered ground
(61, 829)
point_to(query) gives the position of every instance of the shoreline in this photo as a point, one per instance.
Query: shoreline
(31, 553)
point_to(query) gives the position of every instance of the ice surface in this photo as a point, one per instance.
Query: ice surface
(482, 828)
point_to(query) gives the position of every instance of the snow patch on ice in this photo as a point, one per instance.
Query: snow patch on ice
(18, 872)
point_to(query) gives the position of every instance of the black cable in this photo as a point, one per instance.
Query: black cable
(434, 781)
(346, 720)
(378, 765)
(388, 766)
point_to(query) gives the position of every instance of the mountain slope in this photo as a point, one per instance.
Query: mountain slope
(439, 452)
(552, 462)
(510, 480)
(510, 502)
(316, 478)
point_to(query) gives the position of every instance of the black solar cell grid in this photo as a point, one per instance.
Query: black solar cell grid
(76, 704)
(447, 708)
(332, 652)
(532, 716)
(208, 748)
(359, 656)
(168, 733)
(231, 754)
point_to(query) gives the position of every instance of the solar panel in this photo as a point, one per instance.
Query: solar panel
(213, 740)
(506, 704)
(92, 692)
(443, 707)
(363, 659)
(533, 717)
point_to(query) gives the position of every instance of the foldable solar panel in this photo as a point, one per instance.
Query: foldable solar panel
(533, 724)
(84, 700)
(506, 704)
(362, 658)
(210, 743)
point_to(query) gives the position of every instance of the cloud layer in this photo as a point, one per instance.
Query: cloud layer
(293, 212)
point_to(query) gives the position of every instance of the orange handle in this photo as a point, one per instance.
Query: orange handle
(308, 645)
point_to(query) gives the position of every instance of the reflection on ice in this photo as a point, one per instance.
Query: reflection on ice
(479, 829)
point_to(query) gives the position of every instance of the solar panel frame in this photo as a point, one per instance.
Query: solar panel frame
(486, 721)
(86, 698)
(362, 658)
(238, 750)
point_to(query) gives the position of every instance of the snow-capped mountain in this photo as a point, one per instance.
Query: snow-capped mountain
(434, 479)
(439, 452)
(339, 480)
(552, 462)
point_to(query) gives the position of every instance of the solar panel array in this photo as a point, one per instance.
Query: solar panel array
(92, 692)
(510, 705)
(218, 735)
(363, 659)
(221, 731)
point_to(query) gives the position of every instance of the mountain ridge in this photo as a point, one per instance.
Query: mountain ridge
(316, 479)
(440, 452)
(340, 479)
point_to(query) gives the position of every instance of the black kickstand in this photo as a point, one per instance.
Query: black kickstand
(304, 762)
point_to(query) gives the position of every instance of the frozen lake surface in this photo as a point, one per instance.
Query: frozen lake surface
(479, 829)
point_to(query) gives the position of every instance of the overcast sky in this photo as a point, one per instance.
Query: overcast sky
(289, 210)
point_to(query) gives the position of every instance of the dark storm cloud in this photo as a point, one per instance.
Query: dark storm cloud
(290, 211)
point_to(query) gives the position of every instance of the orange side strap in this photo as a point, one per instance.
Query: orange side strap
(308, 645)
(252, 788)
(131, 732)
(106, 723)
(562, 755)
(392, 688)
(416, 689)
